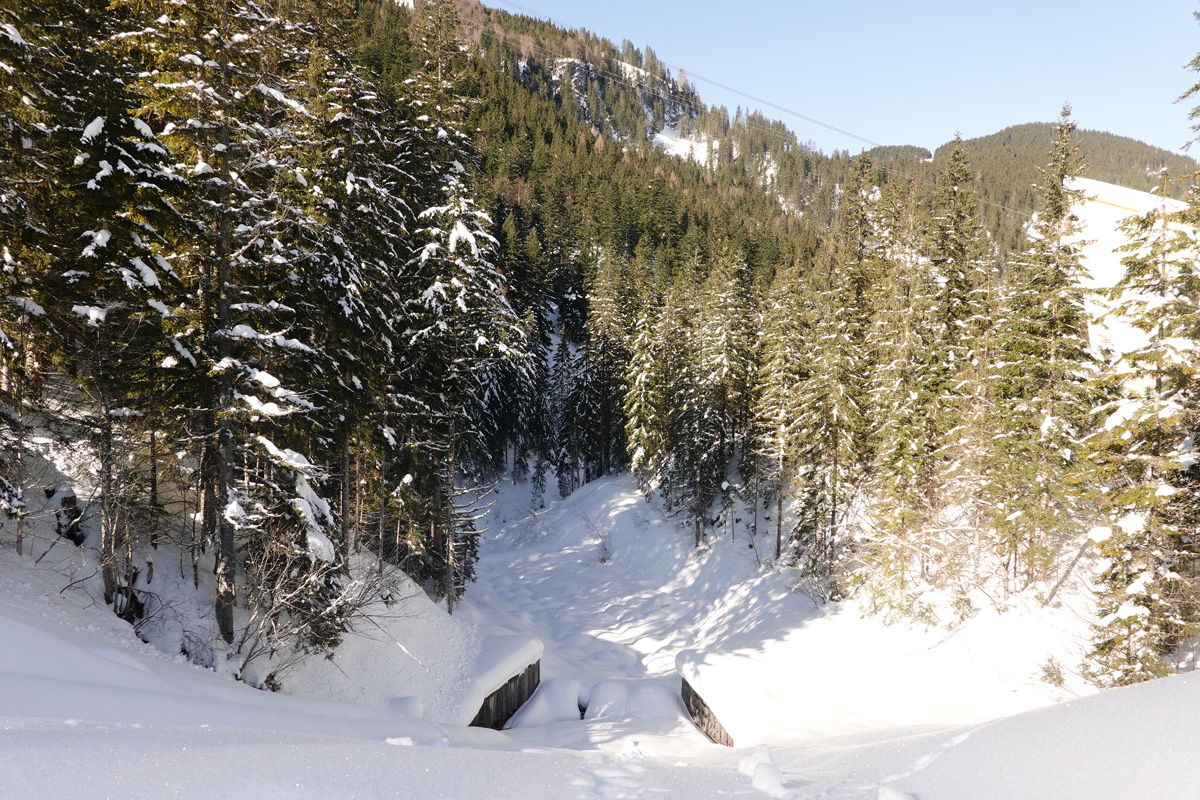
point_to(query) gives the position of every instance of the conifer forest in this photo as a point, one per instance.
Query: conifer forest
(306, 278)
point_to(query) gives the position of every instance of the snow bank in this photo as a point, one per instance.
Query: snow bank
(1126, 743)
(415, 660)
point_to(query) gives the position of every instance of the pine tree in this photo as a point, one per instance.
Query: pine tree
(786, 329)
(1149, 602)
(110, 277)
(966, 272)
(831, 428)
(462, 332)
(565, 443)
(599, 388)
(1041, 384)
(910, 390)
(643, 405)
(226, 85)
(26, 57)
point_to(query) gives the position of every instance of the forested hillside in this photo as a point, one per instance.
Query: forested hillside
(304, 277)
(1007, 164)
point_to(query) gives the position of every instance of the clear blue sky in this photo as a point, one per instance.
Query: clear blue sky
(918, 71)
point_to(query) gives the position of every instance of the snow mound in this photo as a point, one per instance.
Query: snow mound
(416, 660)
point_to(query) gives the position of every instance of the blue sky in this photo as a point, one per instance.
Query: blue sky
(918, 71)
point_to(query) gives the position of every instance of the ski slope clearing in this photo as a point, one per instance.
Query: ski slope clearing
(1102, 213)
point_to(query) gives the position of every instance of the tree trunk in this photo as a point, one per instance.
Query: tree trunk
(108, 532)
(226, 565)
(345, 498)
(778, 505)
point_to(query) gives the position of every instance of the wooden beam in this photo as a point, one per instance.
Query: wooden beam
(704, 717)
(501, 704)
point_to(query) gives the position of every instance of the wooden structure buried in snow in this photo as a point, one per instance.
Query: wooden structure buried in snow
(499, 706)
(704, 717)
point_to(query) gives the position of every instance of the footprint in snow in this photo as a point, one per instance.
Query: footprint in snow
(603, 777)
(760, 768)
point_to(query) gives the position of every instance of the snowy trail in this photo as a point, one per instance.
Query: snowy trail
(610, 624)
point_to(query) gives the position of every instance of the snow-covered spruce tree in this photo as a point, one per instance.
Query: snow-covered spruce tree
(599, 388)
(530, 403)
(726, 358)
(1150, 602)
(695, 464)
(109, 279)
(460, 346)
(1041, 384)
(958, 250)
(909, 396)
(223, 81)
(831, 442)
(565, 431)
(674, 389)
(931, 320)
(643, 404)
(462, 332)
(692, 383)
(26, 58)
(967, 276)
(786, 328)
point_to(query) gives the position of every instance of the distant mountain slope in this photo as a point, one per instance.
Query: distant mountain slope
(1012, 156)
(1008, 163)
(626, 93)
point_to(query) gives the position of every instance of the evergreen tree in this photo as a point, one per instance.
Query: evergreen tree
(1041, 384)
(565, 442)
(1149, 600)
(225, 84)
(831, 427)
(909, 401)
(26, 58)
(778, 407)
(105, 295)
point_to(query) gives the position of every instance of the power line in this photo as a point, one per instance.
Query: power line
(700, 109)
(720, 85)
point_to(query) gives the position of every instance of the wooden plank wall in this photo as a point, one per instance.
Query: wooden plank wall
(501, 704)
(704, 717)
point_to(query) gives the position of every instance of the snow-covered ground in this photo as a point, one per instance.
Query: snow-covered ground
(687, 148)
(821, 700)
(848, 707)
(1102, 213)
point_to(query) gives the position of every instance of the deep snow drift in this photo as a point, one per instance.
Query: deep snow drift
(822, 701)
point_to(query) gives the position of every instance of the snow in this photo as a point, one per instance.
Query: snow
(312, 509)
(631, 73)
(27, 305)
(147, 274)
(610, 593)
(14, 36)
(1106, 206)
(93, 129)
(99, 239)
(280, 97)
(94, 314)
(87, 709)
(691, 149)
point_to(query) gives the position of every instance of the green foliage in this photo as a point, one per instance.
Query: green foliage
(1149, 599)
(1007, 163)
(1040, 384)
